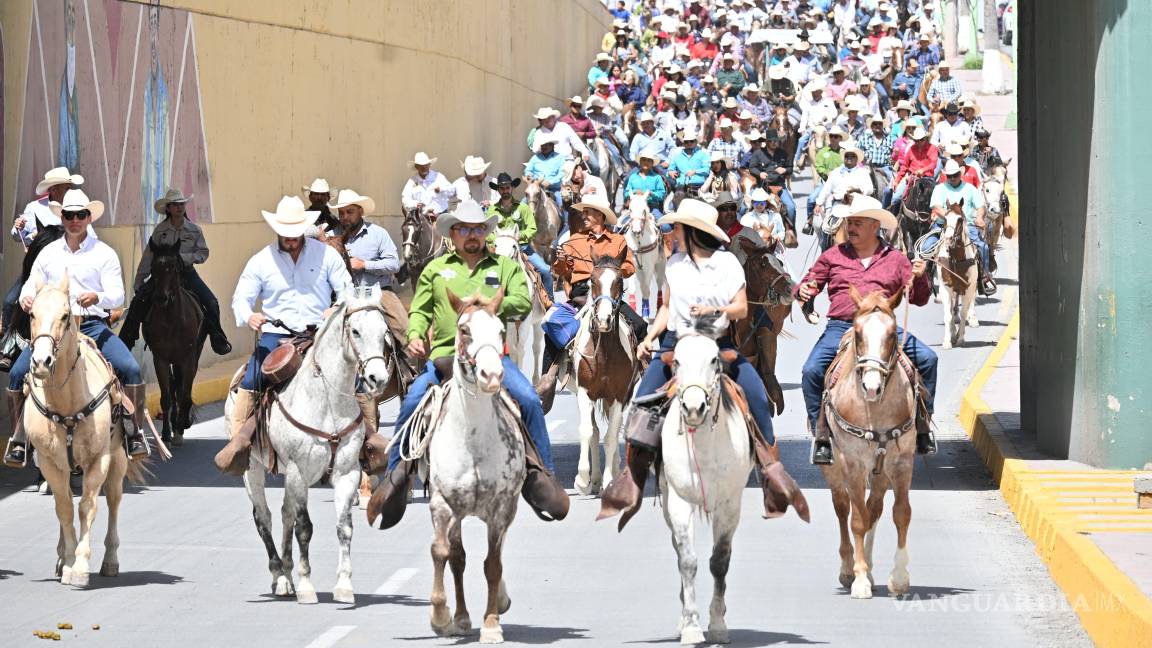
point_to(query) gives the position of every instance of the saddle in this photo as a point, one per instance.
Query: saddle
(536, 282)
(280, 366)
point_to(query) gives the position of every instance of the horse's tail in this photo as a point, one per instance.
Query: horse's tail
(137, 472)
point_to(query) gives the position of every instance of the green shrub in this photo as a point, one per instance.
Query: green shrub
(974, 61)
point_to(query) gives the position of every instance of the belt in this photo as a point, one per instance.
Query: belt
(92, 318)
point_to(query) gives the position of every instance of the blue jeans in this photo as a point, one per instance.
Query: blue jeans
(521, 390)
(812, 380)
(113, 350)
(802, 146)
(885, 102)
(789, 206)
(974, 233)
(749, 380)
(538, 262)
(812, 200)
(253, 378)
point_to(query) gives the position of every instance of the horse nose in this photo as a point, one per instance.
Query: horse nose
(490, 379)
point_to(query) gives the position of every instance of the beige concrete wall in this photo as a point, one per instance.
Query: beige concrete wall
(349, 90)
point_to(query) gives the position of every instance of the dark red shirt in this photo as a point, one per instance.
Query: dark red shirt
(839, 267)
(583, 126)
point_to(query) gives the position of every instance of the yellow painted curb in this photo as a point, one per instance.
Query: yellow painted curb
(1111, 607)
(205, 391)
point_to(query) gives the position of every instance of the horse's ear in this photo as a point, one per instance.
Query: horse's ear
(453, 300)
(493, 306)
(747, 245)
(40, 226)
(64, 281)
(854, 294)
(894, 300)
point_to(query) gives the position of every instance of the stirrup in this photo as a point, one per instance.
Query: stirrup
(814, 457)
(16, 454)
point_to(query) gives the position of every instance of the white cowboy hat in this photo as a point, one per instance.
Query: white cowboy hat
(904, 104)
(951, 167)
(868, 207)
(837, 68)
(173, 196)
(751, 87)
(969, 102)
(866, 80)
(602, 81)
(319, 185)
(953, 149)
(777, 72)
(850, 147)
(944, 64)
(349, 197)
(674, 69)
(422, 159)
(603, 57)
(649, 153)
(707, 78)
(853, 44)
(717, 156)
(77, 200)
(290, 219)
(730, 102)
(468, 212)
(59, 176)
(918, 133)
(802, 46)
(874, 119)
(754, 135)
(576, 99)
(697, 214)
(759, 195)
(726, 123)
(544, 138)
(745, 114)
(600, 204)
(474, 165)
(643, 117)
(816, 84)
(689, 135)
(837, 131)
(543, 113)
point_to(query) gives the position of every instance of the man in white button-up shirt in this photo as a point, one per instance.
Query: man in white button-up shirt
(95, 286)
(427, 190)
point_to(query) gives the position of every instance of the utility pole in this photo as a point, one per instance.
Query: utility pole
(950, 23)
(966, 41)
(992, 74)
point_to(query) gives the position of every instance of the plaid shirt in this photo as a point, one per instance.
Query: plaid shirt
(731, 150)
(944, 91)
(877, 151)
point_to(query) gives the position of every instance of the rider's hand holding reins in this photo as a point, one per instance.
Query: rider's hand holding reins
(808, 291)
(919, 267)
(417, 348)
(257, 320)
(87, 299)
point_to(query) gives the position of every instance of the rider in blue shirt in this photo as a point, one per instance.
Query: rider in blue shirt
(690, 164)
(646, 179)
(548, 166)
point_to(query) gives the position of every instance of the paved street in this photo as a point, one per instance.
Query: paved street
(193, 569)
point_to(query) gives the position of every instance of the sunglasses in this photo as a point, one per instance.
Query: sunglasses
(953, 175)
(75, 215)
(470, 230)
(759, 203)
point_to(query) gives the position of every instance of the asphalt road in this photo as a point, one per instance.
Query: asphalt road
(194, 572)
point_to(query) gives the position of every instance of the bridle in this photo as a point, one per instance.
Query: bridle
(412, 229)
(467, 361)
(57, 344)
(875, 362)
(362, 362)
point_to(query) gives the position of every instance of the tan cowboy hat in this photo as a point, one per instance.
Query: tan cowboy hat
(76, 200)
(850, 147)
(474, 165)
(290, 219)
(422, 159)
(468, 212)
(868, 207)
(59, 176)
(730, 102)
(918, 133)
(697, 214)
(954, 149)
(904, 104)
(802, 46)
(349, 197)
(600, 204)
(969, 102)
(173, 196)
(874, 119)
(319, 185)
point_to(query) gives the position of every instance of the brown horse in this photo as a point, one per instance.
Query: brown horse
(871, 410)
(548, 217)
(789, 138)
(769, 288)
(175, 331)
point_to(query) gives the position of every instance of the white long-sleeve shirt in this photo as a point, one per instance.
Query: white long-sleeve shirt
(92, 268)
(567, 140)
(817, 113)
(423, 191)
(478, 191)
(842, 179)
(297, 293)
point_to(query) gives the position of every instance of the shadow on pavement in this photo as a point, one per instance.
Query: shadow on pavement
(741, 637)
(514, 633)
(362, 600)
(134, 579)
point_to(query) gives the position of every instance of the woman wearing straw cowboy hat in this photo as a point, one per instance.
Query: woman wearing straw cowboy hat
(95, 285)
(427, 190)
(294, 279)
(474, 184)
(175, 228)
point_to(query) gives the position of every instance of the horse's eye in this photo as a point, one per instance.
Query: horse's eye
(355, 333)
(64, 317)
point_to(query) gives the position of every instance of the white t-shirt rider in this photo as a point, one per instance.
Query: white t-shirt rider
(714, 281)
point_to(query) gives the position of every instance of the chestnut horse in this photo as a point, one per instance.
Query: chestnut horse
(769, 288)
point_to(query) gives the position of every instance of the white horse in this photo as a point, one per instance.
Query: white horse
(958, 275)
(475, 466)
(611, 170)
(525, 337)
(643, 237)
(316, 428)
(993, 213)
(706, 459)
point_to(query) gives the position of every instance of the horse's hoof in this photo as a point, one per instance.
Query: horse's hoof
(462, 624)
(718, 635)
(582, 485)
(596, 487)
(65, 575)
(947, 344)
(178, 439)
(846, 580)
(898, 586)
(306, 597)
(79, 579)
(344, 595)
(283, 587)
(691, 636)
(43, 490)
(442, 627)
(861, 588)
(110, 570)
(491, 635)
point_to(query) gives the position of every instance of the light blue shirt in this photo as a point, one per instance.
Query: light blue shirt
(945, 193)
(296, 293)
(652, 183)
(699, 161)
(658, 141)
(550, 169)
(375, 248)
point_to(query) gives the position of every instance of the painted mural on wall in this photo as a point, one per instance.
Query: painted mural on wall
(113, 94)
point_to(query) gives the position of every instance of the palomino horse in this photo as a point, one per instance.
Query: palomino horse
(475, 466)
(871, 410)
(73, 392)
(315, 429)
(643, 238)
(525, 337)
(606, 367)
(770, 297)
(421, 243)
(956, 258)
(548, 219)
(174, 330)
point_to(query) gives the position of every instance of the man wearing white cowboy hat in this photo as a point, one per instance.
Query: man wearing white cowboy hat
(815, 110)
(466, 270)
(428, 190)
(547, 166)
(318, 194)
(850, 176)
(473, 185)
(176, 230)
(55, 184)
(294, 278)
(803, 65)
(955, 191)
(578, 121)
(868, 263)
(919, 161)
(95, 286)
(567, 143)
(689, 164)
(649, 139)
(600, 67)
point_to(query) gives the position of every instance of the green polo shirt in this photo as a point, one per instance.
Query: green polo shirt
(430, 307)
(521, 216)
(826, 160)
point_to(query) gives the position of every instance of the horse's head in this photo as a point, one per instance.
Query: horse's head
(368, 341)
(954, 231)
(993, 189)
(697, 368)
(479, 340)
(52, 326)
(507, 241)
(875, 340)
(606, 289)
(167, 268)
(766, 273)
(533, 192)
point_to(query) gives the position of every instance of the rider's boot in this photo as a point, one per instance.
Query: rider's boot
(374, 453)
(233, 458)
(16, 454)
(821, 441)
(134, 439)
(987, 284)
(541, 489)
(216, 335)
(925, 439)
(546, 387)
(779, 488)
(626, 491)
(391, 496)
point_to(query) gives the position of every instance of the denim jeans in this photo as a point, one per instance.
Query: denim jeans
(789, 206)
(812, 376)
(746, 376)
(802, 146)
(253, 378)
(812, 200)
(521, 390)
(974, 233)
(113, 350)
(541, 266)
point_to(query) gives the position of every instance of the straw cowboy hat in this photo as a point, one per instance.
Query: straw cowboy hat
(319, 185)
(543, 113)
(422, 159)
(697, 214)
(904, 104)
(290, 219)
(868, 207)
(474, 165)
(777, 72)
(468, 212)
(173, 196)
(802, 46)
(350, 197)
(576, 99)
(600, 204)
(951, 167)
(953, 149)
(76, 200)
(759, 195)
(59, 176)
(968, 102)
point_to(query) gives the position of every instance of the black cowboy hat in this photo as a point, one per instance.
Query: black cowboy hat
(504, 179)
(981, 134)
(771, 135)
(951, 109)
